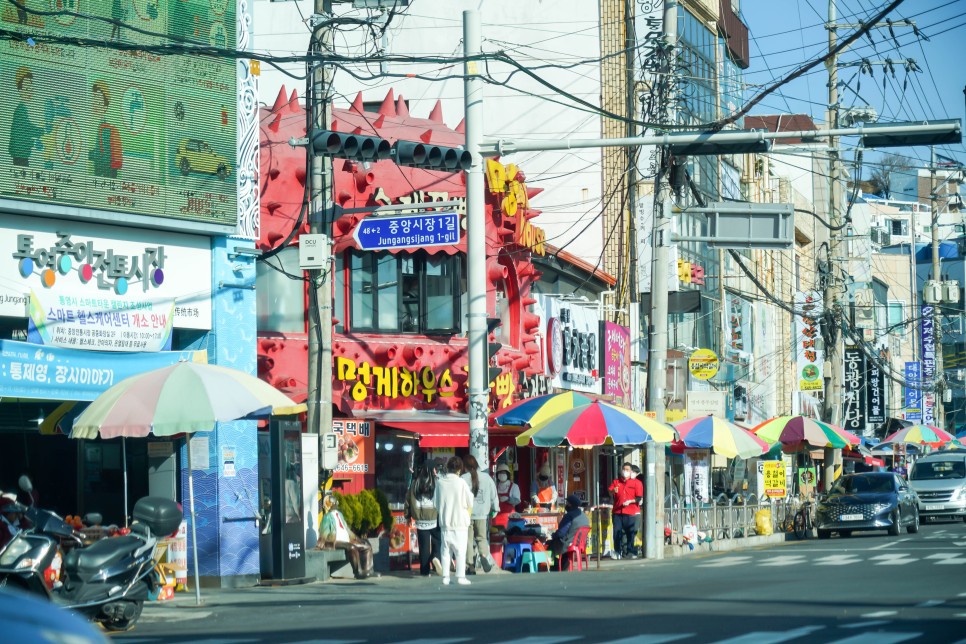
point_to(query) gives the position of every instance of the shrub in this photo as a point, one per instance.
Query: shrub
(370, 516)
(384, 511)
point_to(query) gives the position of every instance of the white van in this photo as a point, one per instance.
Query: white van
(940, 481)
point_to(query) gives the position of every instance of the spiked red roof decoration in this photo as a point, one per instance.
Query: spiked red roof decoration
(509, 238)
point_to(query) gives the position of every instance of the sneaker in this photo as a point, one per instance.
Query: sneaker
(446, 581)
(487, 565)
(615, 555)
(463, 581)
(471, 571)
(437, 566)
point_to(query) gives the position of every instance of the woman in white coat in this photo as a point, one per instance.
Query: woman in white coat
(454, 503)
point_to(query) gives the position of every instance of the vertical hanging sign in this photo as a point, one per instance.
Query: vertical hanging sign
(853, 403)
(875, 414)
(809, 351)
(928, 339)
(912, 405)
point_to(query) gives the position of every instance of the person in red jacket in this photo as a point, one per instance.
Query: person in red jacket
(628, 493)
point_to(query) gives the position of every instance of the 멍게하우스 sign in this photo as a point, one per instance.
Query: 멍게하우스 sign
(123, 126)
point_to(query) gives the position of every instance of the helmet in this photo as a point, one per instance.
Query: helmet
(503, 467)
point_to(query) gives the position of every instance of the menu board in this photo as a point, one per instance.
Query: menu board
(141, 124)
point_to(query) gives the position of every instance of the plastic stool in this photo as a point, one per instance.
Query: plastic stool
(513, 556)
(533, 559)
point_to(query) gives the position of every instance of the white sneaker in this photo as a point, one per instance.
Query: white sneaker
(446, 581)
(437, 566)
(463, 581)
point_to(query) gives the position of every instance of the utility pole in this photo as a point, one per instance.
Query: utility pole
(833, 352)
(478, 393)
(657, 362)
(319, 402)
(937, 277)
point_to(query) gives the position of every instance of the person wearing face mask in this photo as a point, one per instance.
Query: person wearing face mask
(543, 493)
(628, 493)
(507, 491)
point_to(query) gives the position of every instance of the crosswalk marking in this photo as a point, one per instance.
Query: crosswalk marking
(930, 603)
(440, 640)
(893, 560)
(879, 637)
(881, 613)
(783, 560)
(947, 558)
(771, 637)
(837, 560)
(725, 561)
(549, 639)
(651, 639)
(870, 624)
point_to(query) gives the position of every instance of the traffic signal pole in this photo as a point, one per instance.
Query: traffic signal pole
(319, 401)
(478, 393)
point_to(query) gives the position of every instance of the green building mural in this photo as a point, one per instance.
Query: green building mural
(115, 127)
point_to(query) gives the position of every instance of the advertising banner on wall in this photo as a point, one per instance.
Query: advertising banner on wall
(928, 339)
(912, 397)
(52, 373)
(572, 345)
(853, 390)
(809, 349)
(357, 450)
(738, 338)
(707, 403)
(649, 33)
(102, 272)
(616, 362)
(117, 128)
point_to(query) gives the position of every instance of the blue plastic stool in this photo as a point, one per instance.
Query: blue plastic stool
(513, 555)
(533, 559)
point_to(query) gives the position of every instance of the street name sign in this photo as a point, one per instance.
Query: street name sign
(407, 231)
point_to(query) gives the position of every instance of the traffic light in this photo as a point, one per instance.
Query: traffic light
(492, 372)
(431, 157)
(357, 147)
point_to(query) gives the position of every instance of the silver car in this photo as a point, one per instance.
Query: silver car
(940, 481)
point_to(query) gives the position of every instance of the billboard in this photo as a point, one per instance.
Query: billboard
(115, 127)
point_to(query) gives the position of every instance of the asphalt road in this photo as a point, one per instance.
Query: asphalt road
(868, 588)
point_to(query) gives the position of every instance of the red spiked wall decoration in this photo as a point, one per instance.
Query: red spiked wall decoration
(405, 371)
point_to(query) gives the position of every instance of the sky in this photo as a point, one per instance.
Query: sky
(782, 40)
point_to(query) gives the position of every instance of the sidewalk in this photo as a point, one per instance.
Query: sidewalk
(183, 607)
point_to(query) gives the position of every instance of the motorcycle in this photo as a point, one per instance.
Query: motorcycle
(107, 581)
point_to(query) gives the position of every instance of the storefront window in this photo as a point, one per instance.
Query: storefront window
(416, 293)
(395, 456)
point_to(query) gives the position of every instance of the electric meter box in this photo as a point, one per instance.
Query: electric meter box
(313, 252)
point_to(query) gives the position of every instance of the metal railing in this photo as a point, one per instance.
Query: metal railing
(725, 517)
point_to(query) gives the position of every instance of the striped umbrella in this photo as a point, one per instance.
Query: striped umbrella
(534, 411)
(724, 438)
(596, 424)
(800, 431)
(920, 435)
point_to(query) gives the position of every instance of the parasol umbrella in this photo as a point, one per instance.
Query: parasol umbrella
(183, 398)
(533, 411)
(724, 438)
(920, 435)
(800, 431)
(597, 423)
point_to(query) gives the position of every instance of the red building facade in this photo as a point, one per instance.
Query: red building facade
(399, 348)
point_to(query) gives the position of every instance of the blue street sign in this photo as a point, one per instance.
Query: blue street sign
(408, 231)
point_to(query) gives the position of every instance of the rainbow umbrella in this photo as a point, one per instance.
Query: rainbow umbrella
(597, 423)
(920, 435)
(534, 411)
(956, 443)
(800, 431)
(724, 438)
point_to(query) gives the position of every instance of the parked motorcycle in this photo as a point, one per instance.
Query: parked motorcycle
(108, 580)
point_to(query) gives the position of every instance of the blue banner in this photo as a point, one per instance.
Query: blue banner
(52, 373)
(913, 397)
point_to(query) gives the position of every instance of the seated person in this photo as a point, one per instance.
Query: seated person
(335, 533)
(572, 520)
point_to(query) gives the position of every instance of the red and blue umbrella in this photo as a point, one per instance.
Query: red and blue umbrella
(800, 431)
(722, 437)
(598, 423)
(920, 435)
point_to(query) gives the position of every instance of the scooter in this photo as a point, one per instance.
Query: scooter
(107, 581)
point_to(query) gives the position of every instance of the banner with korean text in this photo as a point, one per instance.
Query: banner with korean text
(853, 386)
(809, 349)
(927, 332)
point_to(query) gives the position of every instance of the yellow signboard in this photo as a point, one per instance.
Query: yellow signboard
(775, 482)
(703, 364)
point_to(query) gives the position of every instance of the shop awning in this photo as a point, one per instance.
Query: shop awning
(433, 428)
